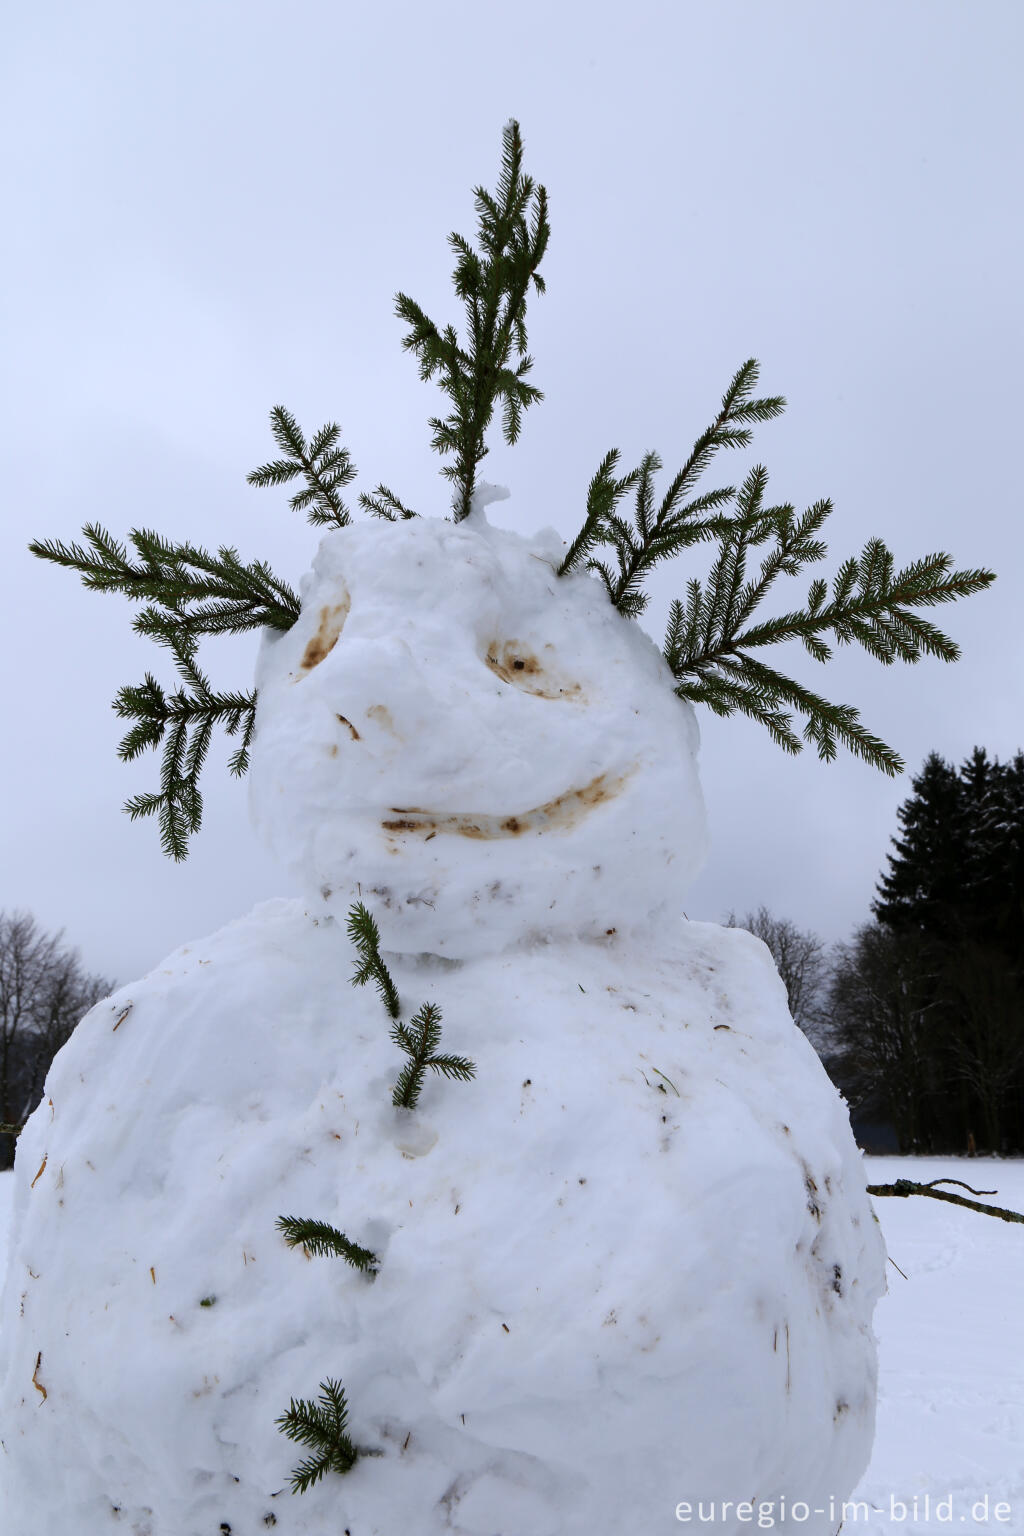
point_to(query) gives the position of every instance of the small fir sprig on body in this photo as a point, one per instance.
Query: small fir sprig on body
(420, 1038)
(493, 283)
(365, 935)
(711, 636)
(322, 1426)
(322, 1240)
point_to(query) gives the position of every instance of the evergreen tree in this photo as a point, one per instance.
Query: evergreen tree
(951, 907)
(717, 635)
(922, 889)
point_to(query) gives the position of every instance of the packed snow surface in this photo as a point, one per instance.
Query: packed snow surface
(631, 1263)
(951, 1338)
(477, 747)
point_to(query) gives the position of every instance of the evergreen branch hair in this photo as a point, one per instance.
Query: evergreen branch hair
(710, 635)
(188, 593)
(323, 1240)
(493, 283)
(384, 503)
(324, 466)
(323, 1427)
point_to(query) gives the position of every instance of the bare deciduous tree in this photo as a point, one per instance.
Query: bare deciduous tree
(44, 991)
(802, 960)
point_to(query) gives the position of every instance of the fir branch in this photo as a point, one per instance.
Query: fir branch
(420, 1040)
(384, 503)
(709, 639)
(493, 283)
(422, 1036)
(188, 592)
(710, 635)
(603, 496)
(365, 935)
(655, 535)
(324, 466)
(322, 1426)
(176, 577)
(323, 1240)
(183, 724)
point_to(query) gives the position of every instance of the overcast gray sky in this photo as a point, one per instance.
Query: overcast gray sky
(209, 207)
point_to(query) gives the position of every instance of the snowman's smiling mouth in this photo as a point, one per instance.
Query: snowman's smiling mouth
(555, 815)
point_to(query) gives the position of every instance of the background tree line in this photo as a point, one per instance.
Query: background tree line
(44, 991)
(919, 1018)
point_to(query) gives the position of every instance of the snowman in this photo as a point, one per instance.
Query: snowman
(601, 1259)
(624, 1273)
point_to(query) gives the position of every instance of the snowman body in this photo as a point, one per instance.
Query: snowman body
(628, 1269)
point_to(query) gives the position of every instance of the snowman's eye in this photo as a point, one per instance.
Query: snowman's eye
(332, 621)
(518, 664)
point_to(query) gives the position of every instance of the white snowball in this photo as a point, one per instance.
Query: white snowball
(632, 1263)
(484, 751)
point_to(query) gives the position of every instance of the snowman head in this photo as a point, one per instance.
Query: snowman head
(481, 751)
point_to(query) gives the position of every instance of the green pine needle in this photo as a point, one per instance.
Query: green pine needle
(420, 1040)
(384, 503)
(322, 1426)
(187, 593)
(710, 635)
(365, 935)
(324, 466)
(323, 1240)
(493, 283)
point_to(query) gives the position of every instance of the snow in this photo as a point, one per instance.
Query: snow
(6, 1202)
(630, 1264)
(414, 751)
(951, 1343)
(951, 1338)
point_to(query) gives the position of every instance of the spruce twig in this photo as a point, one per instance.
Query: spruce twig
(323, 1240)
(384, 503)
(904, 1187)
(493, 283)
(322, 464)
(711, 635)
(187, 593)
(365, 935)
(322, 1426)
(420, 1040)
(421, 1037)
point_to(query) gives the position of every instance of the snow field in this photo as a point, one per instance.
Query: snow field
(951, 1356)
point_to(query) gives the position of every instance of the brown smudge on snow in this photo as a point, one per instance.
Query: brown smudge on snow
(516, 663)
(381, 715)
(558, 815)
(332, 620)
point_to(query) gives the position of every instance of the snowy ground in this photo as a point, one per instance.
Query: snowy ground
(951, 1409)
(951, 1399)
